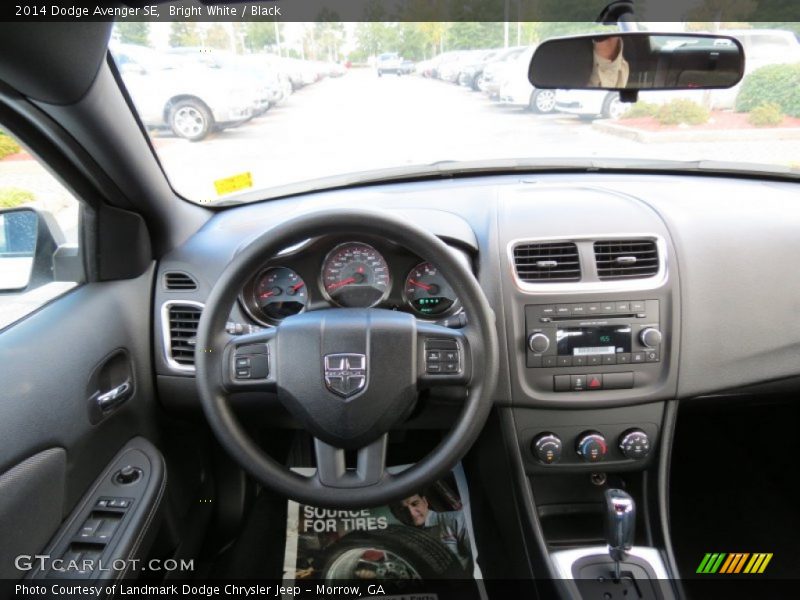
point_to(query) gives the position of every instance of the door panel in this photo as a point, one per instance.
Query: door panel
(51, 364)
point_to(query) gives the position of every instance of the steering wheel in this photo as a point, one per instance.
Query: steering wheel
(347, 375)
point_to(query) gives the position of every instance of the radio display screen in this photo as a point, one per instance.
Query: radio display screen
(586, 341)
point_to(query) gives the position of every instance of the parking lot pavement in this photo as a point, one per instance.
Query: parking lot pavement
(360, 122)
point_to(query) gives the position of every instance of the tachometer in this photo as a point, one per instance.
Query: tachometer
(355, 275)
(279, 293)
(427, 292)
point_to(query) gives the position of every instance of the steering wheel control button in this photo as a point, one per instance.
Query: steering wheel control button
(251, 362)
(634, 444)
(442, 357)
(127, 475)
(547, 447)
(591, 446)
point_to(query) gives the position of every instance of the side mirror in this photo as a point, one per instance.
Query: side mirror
(638, 61)
(29, 243)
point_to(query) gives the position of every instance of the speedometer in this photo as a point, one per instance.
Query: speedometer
(355, 275)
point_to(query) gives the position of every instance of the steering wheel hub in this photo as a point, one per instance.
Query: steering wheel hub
(349, 375)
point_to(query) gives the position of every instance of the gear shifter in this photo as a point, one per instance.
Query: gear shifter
(620, 516)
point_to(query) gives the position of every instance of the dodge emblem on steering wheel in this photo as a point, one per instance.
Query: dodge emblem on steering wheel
(345, 374)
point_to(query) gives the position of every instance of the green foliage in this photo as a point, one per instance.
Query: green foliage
(218, 37)
(133, 32)
(641, 109)
(12, 197)
(680, 111)
(778, 84)
(184, 33)
(259, 35)
(8, 145)
(469, 35)
(766, 115)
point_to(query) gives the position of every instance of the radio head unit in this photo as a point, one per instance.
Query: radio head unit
(621, 339)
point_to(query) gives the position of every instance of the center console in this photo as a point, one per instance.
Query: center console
(592, 340)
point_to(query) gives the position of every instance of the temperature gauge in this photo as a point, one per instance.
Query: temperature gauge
(279, 293)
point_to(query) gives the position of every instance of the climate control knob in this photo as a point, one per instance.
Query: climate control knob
(538, 343)
(650, 337)
(591, 446)
(634, 444)
(547, 448)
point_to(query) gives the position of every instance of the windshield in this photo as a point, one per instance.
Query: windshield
(242, 111)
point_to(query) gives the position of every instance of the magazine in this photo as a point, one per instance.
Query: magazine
(426, 536)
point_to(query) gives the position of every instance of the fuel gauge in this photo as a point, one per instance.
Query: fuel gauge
(427, 291)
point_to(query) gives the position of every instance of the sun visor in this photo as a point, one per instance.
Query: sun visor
(54, 62)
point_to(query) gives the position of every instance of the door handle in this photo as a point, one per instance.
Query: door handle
(113, 398)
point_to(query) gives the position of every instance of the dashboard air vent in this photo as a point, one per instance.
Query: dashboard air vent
(626, 259)
(183, 321)
(180, 282)
(545, 262)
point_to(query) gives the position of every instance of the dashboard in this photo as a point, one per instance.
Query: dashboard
(337, 271)
(687, 324)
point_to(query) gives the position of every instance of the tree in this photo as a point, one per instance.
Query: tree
(373, 38)
(133, 32)
(184, 33)
(260, 35)
(218, 37)
(468, 35)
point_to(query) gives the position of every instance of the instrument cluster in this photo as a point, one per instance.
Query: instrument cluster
(327, 273)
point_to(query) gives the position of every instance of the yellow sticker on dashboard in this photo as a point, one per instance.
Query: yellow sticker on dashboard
(228, 185)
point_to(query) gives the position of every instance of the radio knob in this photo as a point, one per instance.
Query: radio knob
(538, 343)
(634, 444)
(591, 446)
(547, 448)
(650, 337)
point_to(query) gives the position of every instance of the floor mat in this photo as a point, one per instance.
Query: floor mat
(412, 546)
(733, 488)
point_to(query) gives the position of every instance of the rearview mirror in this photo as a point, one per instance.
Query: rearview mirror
(18, 235)
(638, 61)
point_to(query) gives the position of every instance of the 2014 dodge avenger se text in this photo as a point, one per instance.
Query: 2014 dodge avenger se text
(399, 307)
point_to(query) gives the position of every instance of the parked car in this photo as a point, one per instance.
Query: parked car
(591, 103)
(190, 99)
(762, 47)
(517, 90)
(407, 67)
(263, 88)
(494, 74)
(389, 62)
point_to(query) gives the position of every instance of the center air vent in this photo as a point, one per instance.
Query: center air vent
(626, 259)
(181, 282)
(543, 262)
(182, 336)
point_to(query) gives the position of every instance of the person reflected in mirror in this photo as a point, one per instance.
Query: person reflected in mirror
(448, 527)
(609, 67)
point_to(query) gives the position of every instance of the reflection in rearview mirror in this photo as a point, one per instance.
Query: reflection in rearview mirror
(638, 61)
(18, 234)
